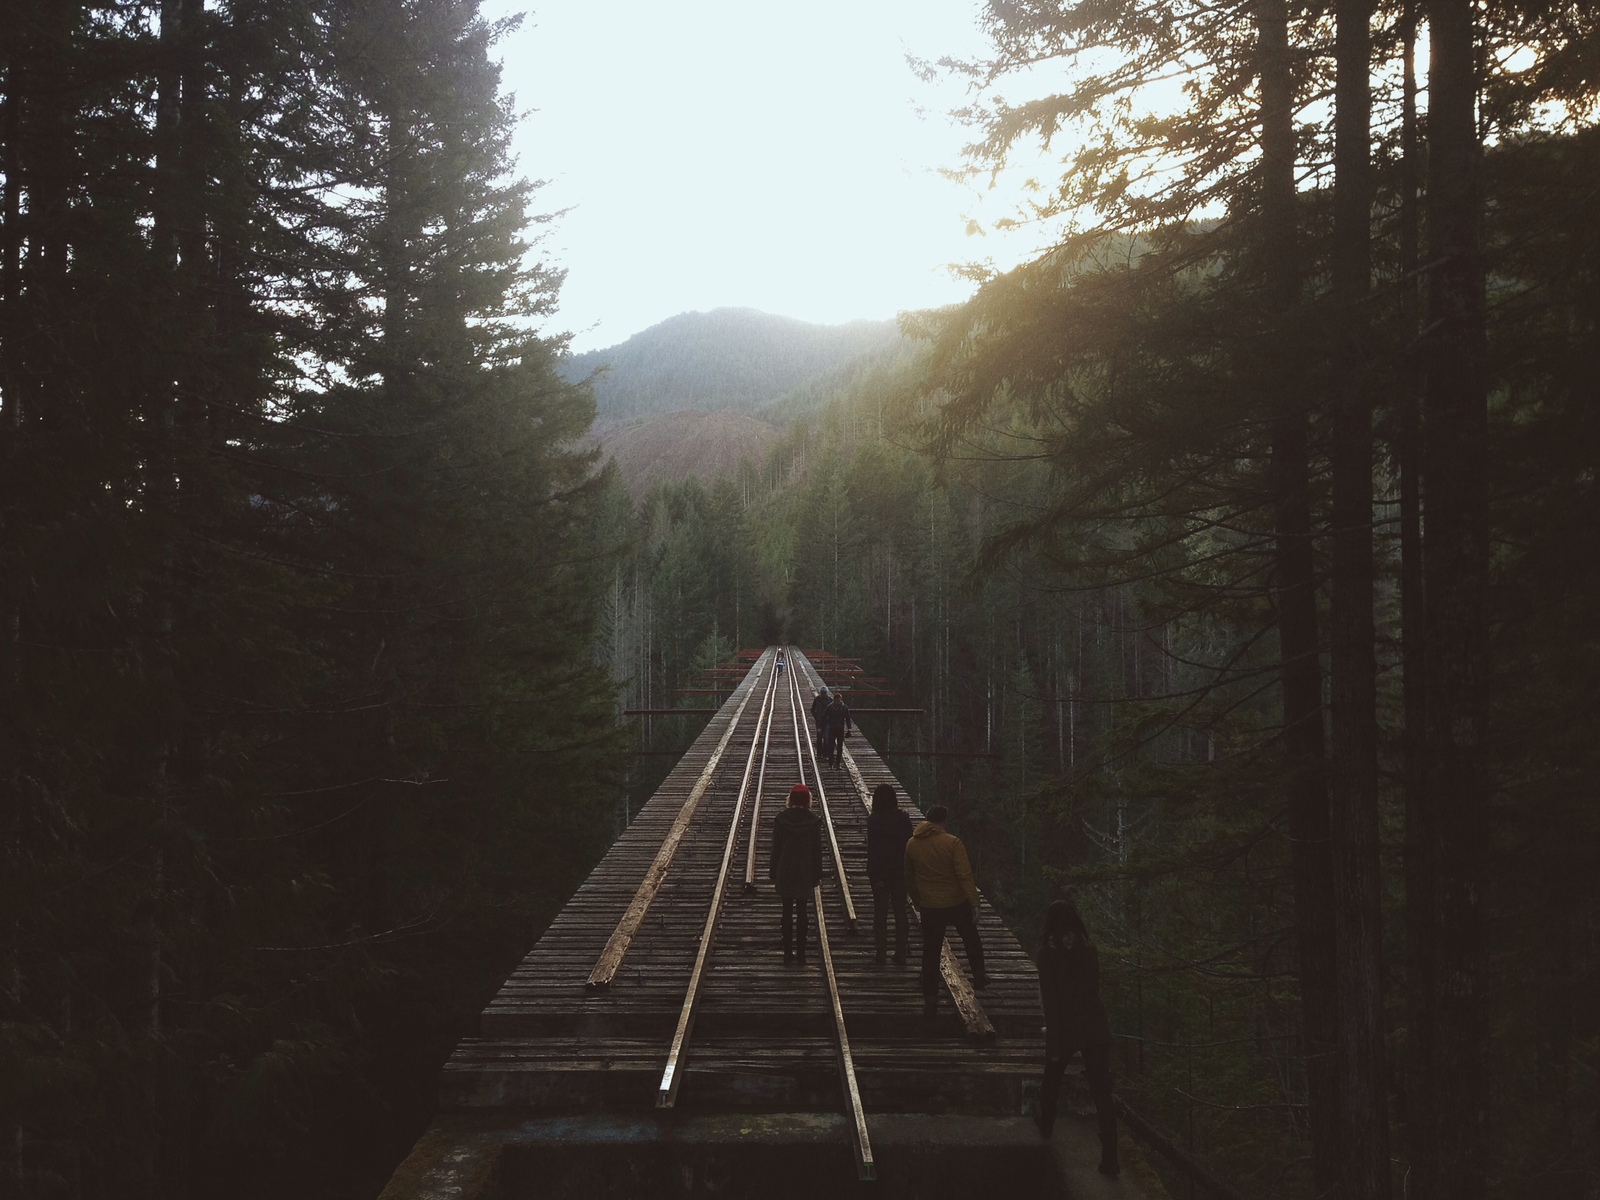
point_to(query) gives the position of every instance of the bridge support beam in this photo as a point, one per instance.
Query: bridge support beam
(770, 1156)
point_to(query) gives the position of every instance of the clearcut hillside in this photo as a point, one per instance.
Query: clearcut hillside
(670, 447)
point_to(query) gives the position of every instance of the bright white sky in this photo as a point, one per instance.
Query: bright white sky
(735, 153)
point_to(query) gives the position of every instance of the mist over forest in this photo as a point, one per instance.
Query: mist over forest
(1242, 551)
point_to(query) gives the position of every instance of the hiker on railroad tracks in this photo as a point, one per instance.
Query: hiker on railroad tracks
(939, 881)
(796, 867)
(838, 728)
(1074, 1022)
(888, 831)
(819, 715)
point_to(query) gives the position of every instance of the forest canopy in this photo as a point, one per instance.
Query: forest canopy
(1239, 549)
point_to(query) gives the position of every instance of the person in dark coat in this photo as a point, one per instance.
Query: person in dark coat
(1075, 1023)
(796, 867)
(819, 717)
(838, 728)
(888, 831)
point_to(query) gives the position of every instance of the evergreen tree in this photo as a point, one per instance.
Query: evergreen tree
(303, 733)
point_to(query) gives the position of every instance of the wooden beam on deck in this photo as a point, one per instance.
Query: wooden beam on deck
(606, 966)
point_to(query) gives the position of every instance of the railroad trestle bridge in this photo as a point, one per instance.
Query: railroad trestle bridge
(654, 1042)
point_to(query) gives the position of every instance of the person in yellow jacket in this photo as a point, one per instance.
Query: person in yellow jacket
(939, 882)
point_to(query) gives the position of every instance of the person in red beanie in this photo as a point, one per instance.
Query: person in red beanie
(796, 867)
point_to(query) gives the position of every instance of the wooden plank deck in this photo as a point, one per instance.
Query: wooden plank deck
(763, 1032)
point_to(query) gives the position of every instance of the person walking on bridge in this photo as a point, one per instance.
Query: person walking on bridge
(1074, 1022)
(819, 716)
(838, 728)
(888, 831)
(796, 867)
(939, 880)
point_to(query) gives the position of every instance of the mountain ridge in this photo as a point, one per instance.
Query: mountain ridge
(725, 360)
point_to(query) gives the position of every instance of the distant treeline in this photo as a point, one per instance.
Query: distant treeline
(301, 737)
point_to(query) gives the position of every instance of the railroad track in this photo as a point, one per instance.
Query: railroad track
(660, 985)
(662, 982)
(767, 746)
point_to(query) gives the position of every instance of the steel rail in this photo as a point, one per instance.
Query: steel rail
(802, 736)
(866, 1165)
(973, 1018)
(616, 948)
(672, 1076)
(755, 806)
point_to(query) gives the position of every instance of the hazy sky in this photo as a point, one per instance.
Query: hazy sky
(730, 152)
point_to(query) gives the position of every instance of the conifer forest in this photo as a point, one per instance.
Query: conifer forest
(1241, 550)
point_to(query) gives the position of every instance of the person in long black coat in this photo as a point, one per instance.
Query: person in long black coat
(796, 867)
(819, 715)
(888, 831)
(1075, 1023)
(838, 716)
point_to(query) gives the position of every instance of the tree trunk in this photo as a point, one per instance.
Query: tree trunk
(167, 202)
(10, 374)
(1364, 1122)
(1449, 1158)
(10, 600)
(1408, 430)
(1297, 598)
(10, 245)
